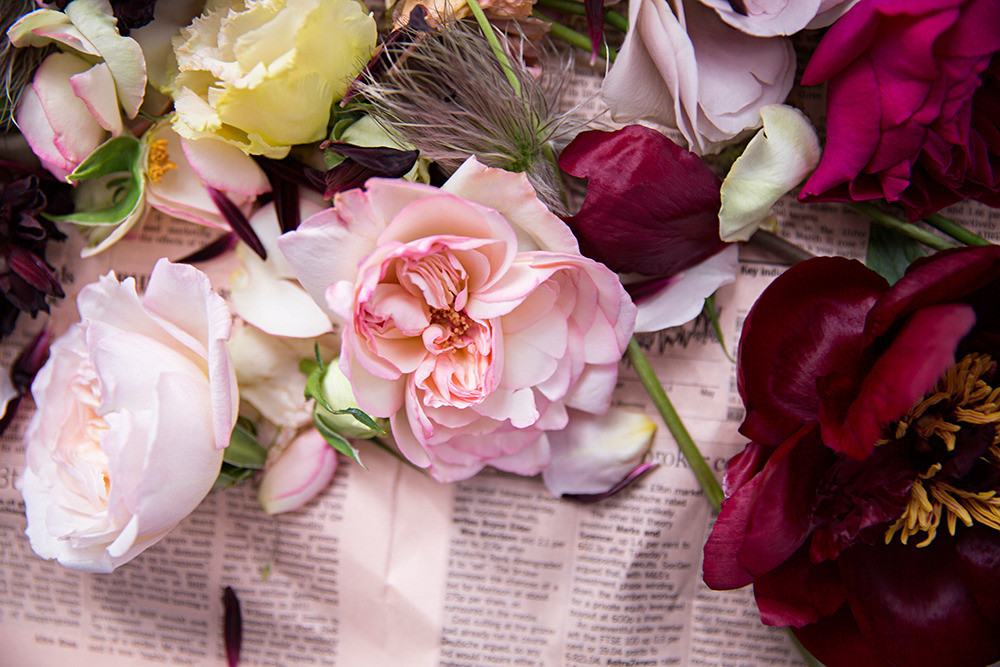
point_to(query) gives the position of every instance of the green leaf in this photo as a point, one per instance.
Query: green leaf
(244, 451)
(713, 316)
(362, 417)
(336, 441)
(889, 252)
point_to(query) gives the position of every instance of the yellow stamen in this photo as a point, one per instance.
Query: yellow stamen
(158, 160)
(962, 398)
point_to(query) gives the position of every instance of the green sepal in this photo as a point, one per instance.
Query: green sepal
(116, 156)
(244, 451)
(314, 387)
(362, 417)
(889, 252)
(231, 475)
(337, 441)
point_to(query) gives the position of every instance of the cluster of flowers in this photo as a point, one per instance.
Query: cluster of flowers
(473, 326)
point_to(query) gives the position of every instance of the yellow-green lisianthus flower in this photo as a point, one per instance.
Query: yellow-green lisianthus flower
(263, 74)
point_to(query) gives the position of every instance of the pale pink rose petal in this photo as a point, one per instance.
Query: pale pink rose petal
(97, 90)
(34, 126)
(300, 470)
(75, 131)
(514, 198)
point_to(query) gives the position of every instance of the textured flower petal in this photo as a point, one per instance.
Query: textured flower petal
(815, 314)
(779, 156)
(655, 213)
(936, 622)
(300, 471)
(916, 359)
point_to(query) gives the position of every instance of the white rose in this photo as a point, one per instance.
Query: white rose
(134, 409)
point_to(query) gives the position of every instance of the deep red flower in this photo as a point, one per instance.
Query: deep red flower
(864, 510)
(913, 104)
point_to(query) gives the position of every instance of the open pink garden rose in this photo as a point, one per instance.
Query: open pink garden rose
(472, 320)
(865, 509)
(134, 409)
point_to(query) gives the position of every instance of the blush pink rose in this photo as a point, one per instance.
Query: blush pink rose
(472, 320)
(912, 104)
(134, 409)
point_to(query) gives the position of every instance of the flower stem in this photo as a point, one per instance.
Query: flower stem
(571, 36)
(611, 17)
(674, 424)
(777, 245)
(878, 216)
(955, 230)
(491, 37)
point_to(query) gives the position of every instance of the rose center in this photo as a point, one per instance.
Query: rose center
(454, 322)
(158, 160)
(950, 423)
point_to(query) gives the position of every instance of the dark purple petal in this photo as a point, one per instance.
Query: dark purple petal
(977, 564)
(286, 205)
(806, 325)
(364, 162)
(908, 369)
(595, 26)
(232, 626)
(34, 270)
(237, 221)
(913, 607)
(217, 247)
(23, 371)
(637, 472)
(655, 212)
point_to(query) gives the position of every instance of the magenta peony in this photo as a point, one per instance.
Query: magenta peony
(865, 510)
(912, 104)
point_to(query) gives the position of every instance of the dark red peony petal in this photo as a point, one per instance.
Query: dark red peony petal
(913, 607)
(977, 563)
(655, 211)
(781, 517)
(797, 592)
(721, 570)
(909, 368)
(805, 325)
(944, 277)
(836, 641)
(741, 468)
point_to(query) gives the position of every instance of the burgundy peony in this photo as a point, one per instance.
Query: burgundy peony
(913, 104)
(865, 509)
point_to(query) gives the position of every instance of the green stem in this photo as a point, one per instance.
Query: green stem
(878, 216)
(491, 37)
(571, 36)
(674, 424)
(955, 230)
(777, 245)
(611, 17)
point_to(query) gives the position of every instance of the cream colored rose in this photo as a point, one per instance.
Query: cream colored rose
(263, 74)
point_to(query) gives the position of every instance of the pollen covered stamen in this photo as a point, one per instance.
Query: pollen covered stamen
(961, 399)
(456, 323)
(158, 160)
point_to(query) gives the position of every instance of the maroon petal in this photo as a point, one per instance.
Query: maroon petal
(797, 592)
(908, 369)
(364, 162)
(34, 270)
(978, 565)
(237, 221)
(945, 276)
(286, 205)
(721, 570)
(232, 626)
(212, 250)
(782, 515)
(913, 607)
(836, 640)
(656, 212)
(595, 26)
(805, 325)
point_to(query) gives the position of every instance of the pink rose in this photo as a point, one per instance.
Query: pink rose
(134, 409)
(472, 320)
(912, 104)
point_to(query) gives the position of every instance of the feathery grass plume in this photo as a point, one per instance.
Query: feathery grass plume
(445, 94)
(17, 66)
